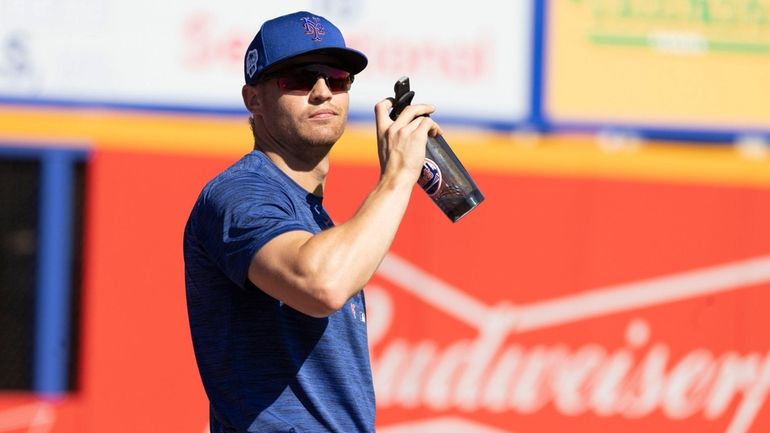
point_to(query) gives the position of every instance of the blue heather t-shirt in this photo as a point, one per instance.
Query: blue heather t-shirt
(265, 366)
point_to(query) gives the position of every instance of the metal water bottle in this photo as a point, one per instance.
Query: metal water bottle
(443, 176)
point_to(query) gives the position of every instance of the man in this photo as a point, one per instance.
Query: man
(277, 314)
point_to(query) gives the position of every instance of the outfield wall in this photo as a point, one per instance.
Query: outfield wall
(606, 284)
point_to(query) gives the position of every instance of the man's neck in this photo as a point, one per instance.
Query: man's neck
(309, 174)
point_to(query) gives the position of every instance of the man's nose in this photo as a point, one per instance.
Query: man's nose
(320, 90)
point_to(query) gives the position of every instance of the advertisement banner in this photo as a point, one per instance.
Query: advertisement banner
(696, 65)
(583, 305)
(189, 54)
(579, 303)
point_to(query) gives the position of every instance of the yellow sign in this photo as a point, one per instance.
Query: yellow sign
(699, 64)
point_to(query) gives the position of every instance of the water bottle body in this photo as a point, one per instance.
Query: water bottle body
(447, 182)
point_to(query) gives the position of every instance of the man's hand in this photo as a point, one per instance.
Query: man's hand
(401, 143)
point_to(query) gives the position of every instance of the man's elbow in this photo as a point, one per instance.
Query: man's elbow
(327, 299)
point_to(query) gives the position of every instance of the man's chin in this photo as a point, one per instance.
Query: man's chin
(324, 137)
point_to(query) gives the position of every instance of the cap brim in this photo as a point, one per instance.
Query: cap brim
(348, 59)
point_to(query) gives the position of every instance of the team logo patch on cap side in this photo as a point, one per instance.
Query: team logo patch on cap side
(251, 62)
(313, 27)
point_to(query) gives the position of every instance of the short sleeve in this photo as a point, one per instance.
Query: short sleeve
(235, 218)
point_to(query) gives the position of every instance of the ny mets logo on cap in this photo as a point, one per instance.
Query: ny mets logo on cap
(313, 27)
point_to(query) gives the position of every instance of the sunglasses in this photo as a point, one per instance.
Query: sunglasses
(305, 77)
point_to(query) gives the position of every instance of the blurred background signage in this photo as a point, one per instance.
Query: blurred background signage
(471, 62)
(688, 64)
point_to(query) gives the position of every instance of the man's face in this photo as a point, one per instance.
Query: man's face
(304, 105)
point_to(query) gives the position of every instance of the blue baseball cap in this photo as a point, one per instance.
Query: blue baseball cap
(289, 36)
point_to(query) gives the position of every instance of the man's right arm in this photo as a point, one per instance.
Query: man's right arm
(317, 274)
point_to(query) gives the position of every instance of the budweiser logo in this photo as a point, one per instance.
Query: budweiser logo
(640, 378)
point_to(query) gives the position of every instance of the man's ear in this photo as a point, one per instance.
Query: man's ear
(251, 99)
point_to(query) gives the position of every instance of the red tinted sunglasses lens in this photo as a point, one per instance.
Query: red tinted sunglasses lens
(305, 78)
